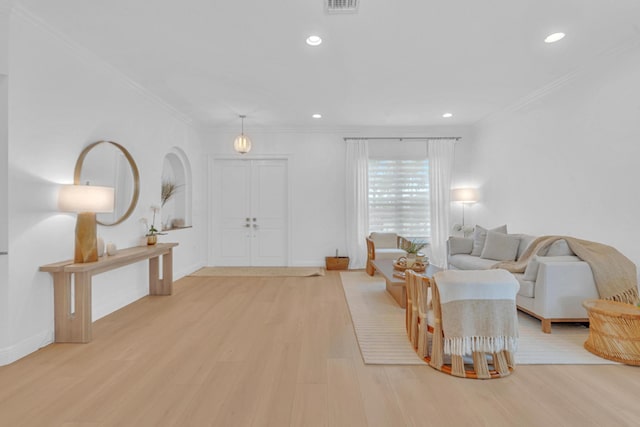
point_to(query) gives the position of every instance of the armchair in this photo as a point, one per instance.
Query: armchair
(384, 246)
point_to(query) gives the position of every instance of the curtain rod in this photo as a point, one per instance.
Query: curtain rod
(403, 138)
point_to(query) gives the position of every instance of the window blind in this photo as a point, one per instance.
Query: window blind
(399, 197)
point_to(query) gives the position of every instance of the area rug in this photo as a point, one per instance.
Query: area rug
(260, 271)
(378, 322)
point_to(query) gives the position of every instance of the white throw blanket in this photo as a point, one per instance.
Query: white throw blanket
(478, 311)
(614, 274)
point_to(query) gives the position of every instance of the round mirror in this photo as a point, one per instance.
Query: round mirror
(109, 164)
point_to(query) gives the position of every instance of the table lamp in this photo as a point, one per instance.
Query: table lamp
(86, 200)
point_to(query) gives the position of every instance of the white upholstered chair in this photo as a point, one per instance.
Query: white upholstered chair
(426, 319)
(419, 316)
(384, 246)
(496, 291)
(411, 310)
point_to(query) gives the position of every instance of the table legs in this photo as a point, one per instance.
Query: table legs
(399, 293)
(164, 285)
(75, 326)
(72, 326)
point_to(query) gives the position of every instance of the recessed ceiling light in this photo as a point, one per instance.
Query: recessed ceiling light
(317, 116)
(447, 115)
(552, 38)
(314, 40)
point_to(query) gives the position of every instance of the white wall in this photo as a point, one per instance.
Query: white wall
(61, 98)
(567, 161)
(317, 175)
(4, 174)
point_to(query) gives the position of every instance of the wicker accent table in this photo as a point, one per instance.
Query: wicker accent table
(614, 331)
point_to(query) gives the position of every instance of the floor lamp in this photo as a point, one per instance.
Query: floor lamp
(464, 196)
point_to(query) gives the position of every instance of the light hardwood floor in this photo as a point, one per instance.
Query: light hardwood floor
(281, 352)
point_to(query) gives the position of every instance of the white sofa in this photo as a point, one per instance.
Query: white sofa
(553, 286)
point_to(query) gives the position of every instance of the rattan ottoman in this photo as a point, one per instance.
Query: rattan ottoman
(614, 331)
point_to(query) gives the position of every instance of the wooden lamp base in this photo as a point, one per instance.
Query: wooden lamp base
(86, 238)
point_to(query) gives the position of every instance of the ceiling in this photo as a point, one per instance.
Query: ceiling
(393, 63)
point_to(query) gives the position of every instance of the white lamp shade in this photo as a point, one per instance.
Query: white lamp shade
(464, 195)
(85, 198)
(242, 144)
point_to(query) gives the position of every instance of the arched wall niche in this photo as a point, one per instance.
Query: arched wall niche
(176, 170)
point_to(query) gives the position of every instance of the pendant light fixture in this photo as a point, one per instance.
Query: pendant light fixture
(242, 143)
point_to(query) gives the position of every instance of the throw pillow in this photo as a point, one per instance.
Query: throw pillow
(559, 248)
(460, 245)
(500, 246)
(531, 272)
(480, 235)
(525, 242)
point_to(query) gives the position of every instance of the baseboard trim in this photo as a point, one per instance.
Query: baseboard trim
(185, 271)
(25, 347)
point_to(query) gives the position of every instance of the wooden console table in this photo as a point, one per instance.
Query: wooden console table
(75, 326)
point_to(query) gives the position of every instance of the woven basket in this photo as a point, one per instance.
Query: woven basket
(337, 263)
(614, 331)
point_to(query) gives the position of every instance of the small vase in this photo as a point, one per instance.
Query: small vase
(111, 249)
(152, 240)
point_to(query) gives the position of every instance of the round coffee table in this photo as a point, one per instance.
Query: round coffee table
(614, 331)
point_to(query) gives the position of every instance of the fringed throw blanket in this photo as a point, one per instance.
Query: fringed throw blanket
(478, 311)
(614, 274)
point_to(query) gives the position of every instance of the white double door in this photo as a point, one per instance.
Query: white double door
(250, 212)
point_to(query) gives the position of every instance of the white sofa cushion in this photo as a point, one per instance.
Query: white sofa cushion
(527, 287)
(531, 272)
(500, 246)
(470, 262)
(525, 242)
(460, 245)
(480, 235)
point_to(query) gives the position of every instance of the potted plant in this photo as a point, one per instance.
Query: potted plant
(412, 248)
(152, 233)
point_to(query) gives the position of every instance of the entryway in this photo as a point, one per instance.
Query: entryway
(250, 206)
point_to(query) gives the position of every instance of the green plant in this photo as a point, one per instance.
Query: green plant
(152, 229)
(413, 247)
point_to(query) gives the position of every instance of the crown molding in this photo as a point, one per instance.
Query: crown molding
(345, 131)
(557, 84)
(89, 57)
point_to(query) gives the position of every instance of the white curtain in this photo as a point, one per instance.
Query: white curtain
(441, 154)
(357, 201)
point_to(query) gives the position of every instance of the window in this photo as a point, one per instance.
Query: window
(399, 197)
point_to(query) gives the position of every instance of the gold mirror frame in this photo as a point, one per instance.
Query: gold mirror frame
(134, 170)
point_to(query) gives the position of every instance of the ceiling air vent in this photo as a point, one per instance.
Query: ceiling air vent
(342, 6)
